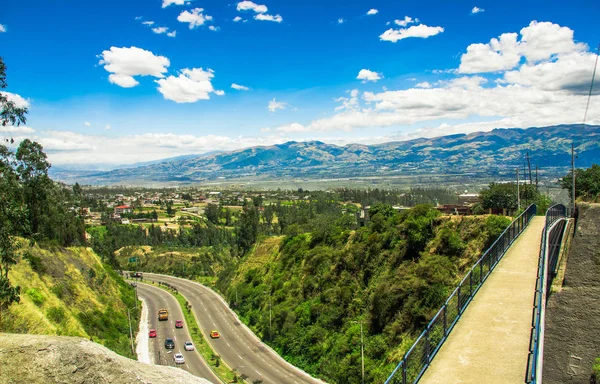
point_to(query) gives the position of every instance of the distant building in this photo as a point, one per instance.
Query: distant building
(468, 198)
(123, 209)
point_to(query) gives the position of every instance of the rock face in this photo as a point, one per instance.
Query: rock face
(572, 340)
(71, 360)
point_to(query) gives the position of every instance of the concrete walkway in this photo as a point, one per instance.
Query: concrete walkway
(490, 343)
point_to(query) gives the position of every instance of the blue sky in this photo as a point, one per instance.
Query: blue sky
(104, 86)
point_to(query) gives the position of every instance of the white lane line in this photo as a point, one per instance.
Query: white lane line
(260, 374)
(228, 344)
(143, 346)
(240, 357)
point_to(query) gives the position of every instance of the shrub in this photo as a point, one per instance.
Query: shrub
(35, 296)
(56, 314)
(35, 262)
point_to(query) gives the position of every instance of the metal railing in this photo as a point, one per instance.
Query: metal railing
(419, 356)
(553, 214)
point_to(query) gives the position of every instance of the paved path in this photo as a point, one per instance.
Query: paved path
(490, 343)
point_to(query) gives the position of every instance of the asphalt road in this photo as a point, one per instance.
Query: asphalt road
(156, 299)
(238, 347)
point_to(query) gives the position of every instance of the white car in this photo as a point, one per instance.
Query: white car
(188, 346)
(179, 359)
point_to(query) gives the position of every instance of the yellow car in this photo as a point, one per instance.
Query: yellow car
(214, 334)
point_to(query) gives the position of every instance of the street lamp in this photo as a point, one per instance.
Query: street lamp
(362, 350)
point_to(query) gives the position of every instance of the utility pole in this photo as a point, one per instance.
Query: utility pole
(536, 179)
(362, 352)
(130, 332)
(573, 173)
(518, 192)
(529, 165)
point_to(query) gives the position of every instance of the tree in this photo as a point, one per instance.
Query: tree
(10, 114)
(170, 210)
(212, 213)
(11, 208)
(587, 182)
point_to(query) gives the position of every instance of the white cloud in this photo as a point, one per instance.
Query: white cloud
(539, 41)
(499, 55)
(274, 105)
(239, 87)
(236, 19)
(172, 34)
(148, 23)
(138, 17)
(570, 72)
(195, 18)
(372, 11)
(213, 28)
(424, 84)
(20, 130)
(124, 63)
(18, 100)
(348, 103)
(2, 28)
(404, 22)
(87, 124)
(166, 3)
(66, 147)
(160, 30)
(367, 75)
(107, 127)
(422, 31)
(219, 92)
(476, 10)
(340, 21)
(189, 86)
(251, 6)
(267, 17)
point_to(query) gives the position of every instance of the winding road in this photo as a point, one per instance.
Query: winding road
(156, 298)
(238, 347)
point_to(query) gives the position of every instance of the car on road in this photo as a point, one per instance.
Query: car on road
(214, 334)
(188, 346)
(169, 343)
(179, 359)
(152, 333)
(179, 324)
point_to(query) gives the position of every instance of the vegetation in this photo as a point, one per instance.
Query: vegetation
(504, 197)
(324, 277)
(587, 183)
(595, 379)
(69, 291)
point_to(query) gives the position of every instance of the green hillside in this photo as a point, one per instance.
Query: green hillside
(391, 275)
(69, 292)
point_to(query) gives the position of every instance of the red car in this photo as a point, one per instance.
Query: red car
(179, 324)
(152, 333)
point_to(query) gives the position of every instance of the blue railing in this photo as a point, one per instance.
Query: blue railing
(419, 356)
(553, 214)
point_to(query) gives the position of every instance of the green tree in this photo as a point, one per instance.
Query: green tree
(587, 182)
(170, 210)
(212, 213)
(10, 114)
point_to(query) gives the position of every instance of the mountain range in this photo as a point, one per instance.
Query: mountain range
(496, 152)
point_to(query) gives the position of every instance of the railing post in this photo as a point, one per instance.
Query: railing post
(404, 371)
(458, 299)
(471, 283)
(445, 321)
(427, 345)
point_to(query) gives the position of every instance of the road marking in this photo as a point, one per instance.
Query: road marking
(240, 357)
(228, 344)
(260, 374)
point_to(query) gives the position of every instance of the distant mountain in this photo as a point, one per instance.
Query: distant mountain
(495, 152)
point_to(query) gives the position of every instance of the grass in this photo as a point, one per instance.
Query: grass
(69, 292)
(199, 338)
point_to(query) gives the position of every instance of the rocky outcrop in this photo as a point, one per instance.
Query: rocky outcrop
(71, 360)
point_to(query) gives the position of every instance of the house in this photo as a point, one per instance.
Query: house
(468, 198)
(123, 209)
